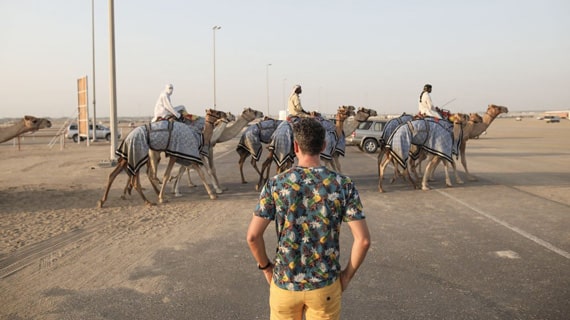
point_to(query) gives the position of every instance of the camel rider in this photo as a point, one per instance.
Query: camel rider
(426, 107)
(163, 109)
(294, 108)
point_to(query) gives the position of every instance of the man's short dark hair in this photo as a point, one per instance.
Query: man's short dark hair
(310, 135)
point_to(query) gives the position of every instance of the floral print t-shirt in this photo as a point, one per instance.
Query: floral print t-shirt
(308, 206)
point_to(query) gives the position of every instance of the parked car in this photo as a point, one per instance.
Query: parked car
(552, 119)
(367, 135)
(102, 132)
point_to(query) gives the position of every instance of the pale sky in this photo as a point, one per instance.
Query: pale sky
(375, 54)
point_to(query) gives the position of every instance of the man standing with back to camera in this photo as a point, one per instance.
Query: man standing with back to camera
(308, 203)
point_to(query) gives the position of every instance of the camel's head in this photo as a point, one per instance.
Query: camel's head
(341, 115)
(33, 123)
(250, 114)
(213, 115)
(231, 117)
(458, 118)
(494, 110)
(369, 112)
(475, 118)
(363, 114)
(345, 110)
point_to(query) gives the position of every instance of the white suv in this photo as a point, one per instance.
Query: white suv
(102, 132)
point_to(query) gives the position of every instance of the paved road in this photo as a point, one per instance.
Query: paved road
(497, 248)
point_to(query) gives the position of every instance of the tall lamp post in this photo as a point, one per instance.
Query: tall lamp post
(267, 84)
(93, 58)
(214, 28)
(283, 93)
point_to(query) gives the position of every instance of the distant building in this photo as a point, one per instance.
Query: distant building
(561, 114)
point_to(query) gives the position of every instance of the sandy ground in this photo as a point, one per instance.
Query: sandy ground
(48, 204)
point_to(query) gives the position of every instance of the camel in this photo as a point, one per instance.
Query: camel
(219, 127)
(226, 133)
(280, 150)
(250, 143)
(178, 140)
(335, 132)
(199, 124)
(27, 124)
(478, 128)
(435, 137)
(417, 156)
(281, 145)
(350, 124)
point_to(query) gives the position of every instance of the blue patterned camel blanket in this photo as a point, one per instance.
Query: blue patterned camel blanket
(282, 143)
(331, 138)
(174, 138)
(435, 137)
(391, 125)
(134, 149)
(253, 137)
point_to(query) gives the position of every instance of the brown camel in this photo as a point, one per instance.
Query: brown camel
(469, 121)
(492, 112)
(348, 127)
(27, 124)
(476, 127)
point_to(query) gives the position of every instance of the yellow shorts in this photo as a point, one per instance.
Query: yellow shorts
(321, 303)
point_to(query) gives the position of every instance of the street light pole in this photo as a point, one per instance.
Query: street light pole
(214, 28)
(283, 95)
(93, 62)
(267, 85)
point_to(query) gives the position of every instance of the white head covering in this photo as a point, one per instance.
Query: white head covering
(295, 87)
(168, 89)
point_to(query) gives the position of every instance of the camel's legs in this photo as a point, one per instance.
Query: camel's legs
(329, 164)
(198, 169)
(428, 172)
(265, 167)
(382, 168)
(447, 179)
(175, 187)
(457, 178)
(254, 165)
(152, 169)
(190, 183)
(137, 186)
(445, 163)
(382, 163)
(171, 162)
(211, 171)
(242, 157)
(121, 165)
(128, 187)
(464, 161)
(337, 162)
(150, 172)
